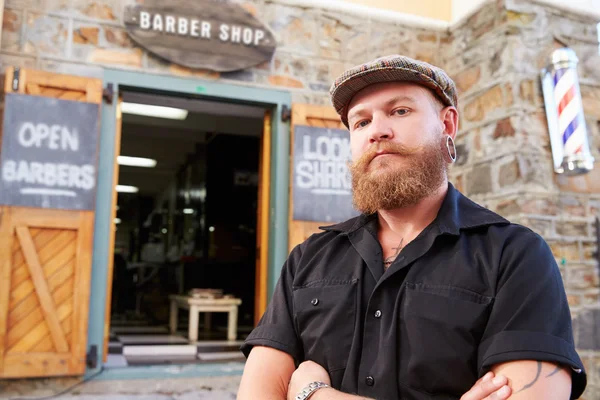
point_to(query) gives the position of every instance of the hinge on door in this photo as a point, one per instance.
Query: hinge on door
(286, 113)
(15, 79)
(91, 358)
(108, 93)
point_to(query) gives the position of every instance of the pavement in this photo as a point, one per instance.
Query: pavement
(168, 383)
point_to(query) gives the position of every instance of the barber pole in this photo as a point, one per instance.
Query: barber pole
(564, 112)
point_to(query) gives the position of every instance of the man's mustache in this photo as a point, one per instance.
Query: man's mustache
(388, 147)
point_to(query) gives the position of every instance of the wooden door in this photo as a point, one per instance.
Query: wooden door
(317, 116)
(45, 264)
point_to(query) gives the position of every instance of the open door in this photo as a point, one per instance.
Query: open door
(262, 228)
(45, 261)
(313, 116)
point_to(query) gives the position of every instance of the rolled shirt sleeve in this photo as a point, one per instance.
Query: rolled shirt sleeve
(530, 318)
(276, 327)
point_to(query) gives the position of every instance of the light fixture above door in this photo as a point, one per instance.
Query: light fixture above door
(153, 111)
(136, 161)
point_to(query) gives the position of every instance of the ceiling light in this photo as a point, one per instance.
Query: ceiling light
(136, 161)
(188, 210)
(117, 220)
(127, 189)
(153, 111)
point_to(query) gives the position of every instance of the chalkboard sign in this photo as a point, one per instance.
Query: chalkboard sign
(322, 188)
(48, 157)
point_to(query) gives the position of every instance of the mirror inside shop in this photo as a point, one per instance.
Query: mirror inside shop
(186, 229)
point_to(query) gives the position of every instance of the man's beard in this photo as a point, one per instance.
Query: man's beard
(384, 184)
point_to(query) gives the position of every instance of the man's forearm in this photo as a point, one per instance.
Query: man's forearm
(332, 394)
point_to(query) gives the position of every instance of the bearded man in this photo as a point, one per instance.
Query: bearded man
(426, 295)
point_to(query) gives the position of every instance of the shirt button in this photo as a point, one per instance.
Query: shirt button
(378, 314)
(369, 380)
(314, 302)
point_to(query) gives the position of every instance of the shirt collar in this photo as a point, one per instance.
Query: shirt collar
(456, 213)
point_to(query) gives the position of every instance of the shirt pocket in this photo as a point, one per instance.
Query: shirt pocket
(325, 317)
(440, 331)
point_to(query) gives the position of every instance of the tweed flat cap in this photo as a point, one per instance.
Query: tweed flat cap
(391, 68)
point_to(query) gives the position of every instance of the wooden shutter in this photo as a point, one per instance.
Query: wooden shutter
(45, 265)
(317, 116)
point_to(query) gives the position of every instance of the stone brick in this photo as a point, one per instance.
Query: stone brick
(427, 37)
(591, 299)
(479, 180)
(530, 92)
(569, 228)
(574, 300)
(39, 5)
(480, 107)
(504, 128)
(45, 35)
(197, 73)
(332, 35)
(458, 182)
(280, 80)
(86, 35)
(520, 18)
(572, 205)
(467, 79)
(508, 207)
(587, 326)
(98, 9)
(294, 28)
(582, 277)
(590, 95)
(588, 183)
(132, 58)
(384, 41)
(509, 174)
(595, 208)
(16, 61)
(462, 154)
(589, 251)
(542, 227)
(116, 37)
(540, 206)
(428, 54)
(11, 30)
(565, 250)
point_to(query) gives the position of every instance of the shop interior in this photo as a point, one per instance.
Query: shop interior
(186, 224)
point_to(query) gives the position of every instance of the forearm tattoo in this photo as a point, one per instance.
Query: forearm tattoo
(537, 375)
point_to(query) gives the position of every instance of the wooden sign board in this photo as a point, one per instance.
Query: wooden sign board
(49, 153)
(206, 34)
(322, 188)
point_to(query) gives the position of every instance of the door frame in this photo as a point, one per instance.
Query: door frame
(271, 99)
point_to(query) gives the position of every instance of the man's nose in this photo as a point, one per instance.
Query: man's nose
(381, 129)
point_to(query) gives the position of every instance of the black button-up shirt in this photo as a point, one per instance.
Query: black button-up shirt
(471, 291)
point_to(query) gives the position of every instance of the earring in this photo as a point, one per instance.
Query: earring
(451, 147)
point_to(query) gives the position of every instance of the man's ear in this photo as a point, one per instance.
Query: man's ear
(449, 119)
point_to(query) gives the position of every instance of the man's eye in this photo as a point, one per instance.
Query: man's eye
(362, 123)
(401, 111)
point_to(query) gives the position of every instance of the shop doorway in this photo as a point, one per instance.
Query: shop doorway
(187, 221)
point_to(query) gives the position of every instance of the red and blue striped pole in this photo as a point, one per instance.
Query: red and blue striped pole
(564, 109)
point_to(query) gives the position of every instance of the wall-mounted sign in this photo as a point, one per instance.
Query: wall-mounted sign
(322, 188)
(49, 153)
(207, 34)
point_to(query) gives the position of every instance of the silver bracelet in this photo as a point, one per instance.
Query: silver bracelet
(310, 390)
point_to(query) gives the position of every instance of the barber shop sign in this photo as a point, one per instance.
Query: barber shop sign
(206, 34)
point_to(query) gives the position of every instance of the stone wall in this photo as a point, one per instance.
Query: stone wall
(313, 46)
(505, 160)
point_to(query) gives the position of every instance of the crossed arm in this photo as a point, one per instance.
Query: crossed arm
(271, 375)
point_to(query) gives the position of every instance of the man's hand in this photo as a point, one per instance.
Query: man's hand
(306, 373)
(489, 387)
